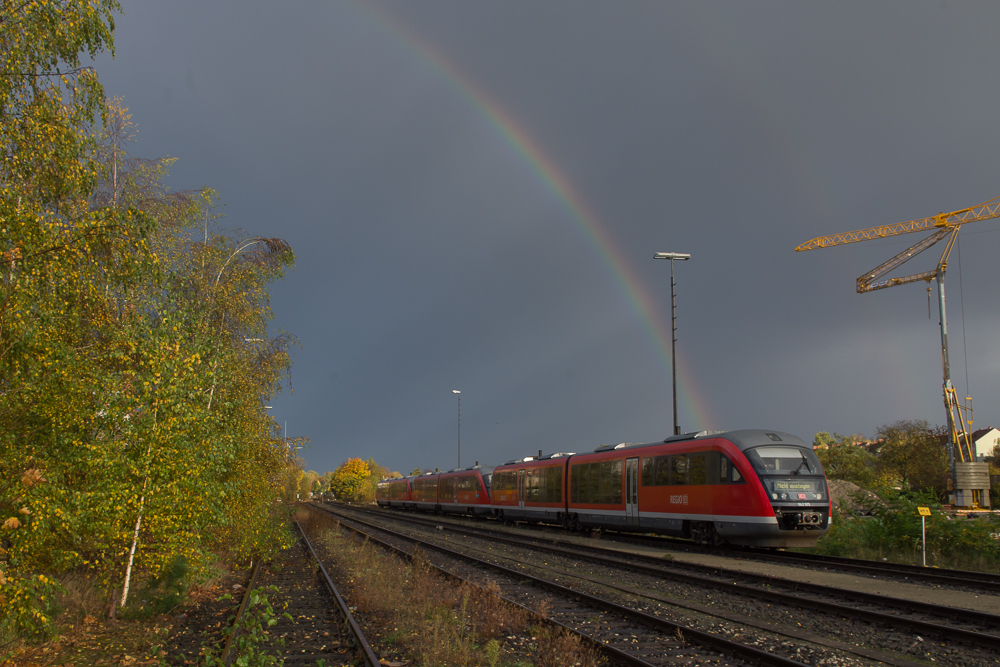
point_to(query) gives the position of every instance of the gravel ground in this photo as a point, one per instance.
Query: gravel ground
(918, 591)
(849, 632)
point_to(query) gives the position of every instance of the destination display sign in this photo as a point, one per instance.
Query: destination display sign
(793, 486)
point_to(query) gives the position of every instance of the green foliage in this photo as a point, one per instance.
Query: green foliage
(913, 455)
(134, 352)
(162, 593)
(291, 479)
(28, 607)
(492, 651)
(843, 459)
(893, 531)
(251, 633)
(308, 483)
(348, 481)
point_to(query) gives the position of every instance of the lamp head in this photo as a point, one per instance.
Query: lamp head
(672, 255)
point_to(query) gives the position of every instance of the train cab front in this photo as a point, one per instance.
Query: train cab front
(793, 481)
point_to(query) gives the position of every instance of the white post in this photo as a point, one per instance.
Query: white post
(923, 536)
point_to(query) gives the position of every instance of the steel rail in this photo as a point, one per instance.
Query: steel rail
(704, 638)
(960, 578)
(369, 655)
(227, 651)
(614, 558)
(608, 650)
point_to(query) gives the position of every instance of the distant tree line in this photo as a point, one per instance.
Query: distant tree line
(907, 454)
(354, 480)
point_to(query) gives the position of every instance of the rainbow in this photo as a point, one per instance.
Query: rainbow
(657, 328)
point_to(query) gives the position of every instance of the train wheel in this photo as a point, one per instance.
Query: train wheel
(571, 522)
(703, 532)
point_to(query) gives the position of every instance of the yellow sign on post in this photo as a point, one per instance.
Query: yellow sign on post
(924, 512)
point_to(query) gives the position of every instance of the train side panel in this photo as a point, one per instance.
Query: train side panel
(692, 487)
(394, 492)
(425, 492)
(465, 491)
(531, 489)
(755, 488)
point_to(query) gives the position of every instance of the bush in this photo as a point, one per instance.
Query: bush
(892, 532)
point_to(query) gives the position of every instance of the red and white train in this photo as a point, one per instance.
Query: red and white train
(752, 487)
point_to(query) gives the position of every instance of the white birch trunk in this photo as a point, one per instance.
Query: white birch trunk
(135, 541)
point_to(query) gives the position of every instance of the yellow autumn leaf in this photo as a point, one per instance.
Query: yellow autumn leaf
(11, 523)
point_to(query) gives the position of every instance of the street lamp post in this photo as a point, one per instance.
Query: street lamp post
(456, 391)
(673, 325)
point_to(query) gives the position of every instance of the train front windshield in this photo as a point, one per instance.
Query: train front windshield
(789, 473)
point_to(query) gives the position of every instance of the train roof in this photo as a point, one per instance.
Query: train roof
(475, 468)
(554, 455)
(483, 470)
(743, 439)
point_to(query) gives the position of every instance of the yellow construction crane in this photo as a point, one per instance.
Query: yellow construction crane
(944, 226)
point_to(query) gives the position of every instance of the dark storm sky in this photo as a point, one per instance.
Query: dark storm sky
(475, 192)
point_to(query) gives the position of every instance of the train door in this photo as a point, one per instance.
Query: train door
(520, 490)
(632, 491)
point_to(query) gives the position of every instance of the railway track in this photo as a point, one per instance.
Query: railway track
(920, 630)
(318, 626)
(626, 633)
(961, 579)
(987, 582)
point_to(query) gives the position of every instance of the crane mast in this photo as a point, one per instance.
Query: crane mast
(970, 480)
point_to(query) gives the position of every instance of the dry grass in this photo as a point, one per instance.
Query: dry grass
(556, 647)
(436, 622)
(559, 648)
(80, 597)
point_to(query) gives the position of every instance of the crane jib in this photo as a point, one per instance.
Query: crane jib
(985, 211)
(943, 225)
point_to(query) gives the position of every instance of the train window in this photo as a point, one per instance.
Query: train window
(531, 485)
(503, 481)
(599, 482)
(553, 485)
(697, 473)
(784, 459)
(545, 485)
(580, 484)
(662, 477)
(647, 470)
(678, 469)
(487, 478)
(611, 482)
